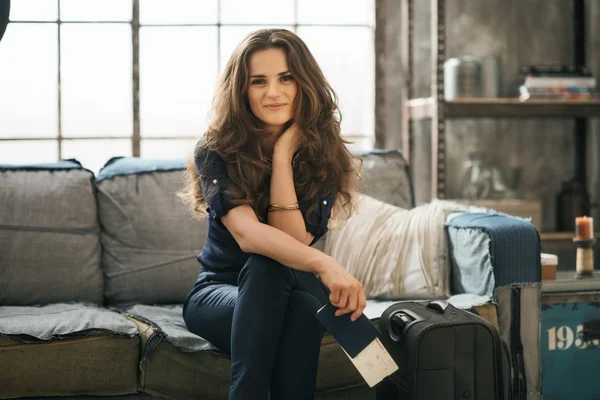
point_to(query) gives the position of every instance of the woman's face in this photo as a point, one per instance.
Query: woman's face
(272, 89)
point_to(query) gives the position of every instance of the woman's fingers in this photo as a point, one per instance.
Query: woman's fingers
(351, 305)
(334, 295)
(362, 303)
(343, 302)
(346, 293)
(355, 292)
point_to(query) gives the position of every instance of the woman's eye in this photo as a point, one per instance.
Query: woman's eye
(286, 78)
(258, 81)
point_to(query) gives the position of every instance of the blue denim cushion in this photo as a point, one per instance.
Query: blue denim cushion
(490, 250)
(119, 166)
(62, 164)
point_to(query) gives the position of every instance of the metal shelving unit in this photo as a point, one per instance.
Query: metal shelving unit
(438, 110)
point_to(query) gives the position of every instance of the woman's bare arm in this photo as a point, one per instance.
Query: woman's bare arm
(283, 192)
(258, 238)
(255, 237)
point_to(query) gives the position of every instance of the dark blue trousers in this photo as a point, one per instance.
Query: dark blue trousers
(268, 325)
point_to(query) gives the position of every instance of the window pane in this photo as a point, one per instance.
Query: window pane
(28, 81)
(178, 74)
(95, 10)
(357, 12)
(94, 153)
(96, 80)
(179, 12)
(167, 148)
(231, 36)
(360, 144)
(33, 10)
(28, 151)
(354, 86)
(257, 12)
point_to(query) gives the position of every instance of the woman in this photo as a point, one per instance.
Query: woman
(268, 172)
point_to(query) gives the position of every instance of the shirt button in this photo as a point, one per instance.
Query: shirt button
(214, 181)
(324, 202)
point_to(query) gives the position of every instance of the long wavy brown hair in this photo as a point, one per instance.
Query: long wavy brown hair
(324, 165)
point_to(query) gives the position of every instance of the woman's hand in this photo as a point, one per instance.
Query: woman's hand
(288, 142)
(347, 293)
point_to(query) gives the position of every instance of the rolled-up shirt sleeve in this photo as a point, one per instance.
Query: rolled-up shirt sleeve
(316, 222)
(215, 182)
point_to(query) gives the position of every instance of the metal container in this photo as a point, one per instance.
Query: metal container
(463, 77)
(471, 76)
(570, 348)
(491, 76)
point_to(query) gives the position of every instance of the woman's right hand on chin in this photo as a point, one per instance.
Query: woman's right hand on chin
(347, 293)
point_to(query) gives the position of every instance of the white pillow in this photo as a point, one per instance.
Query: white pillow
(394, 252)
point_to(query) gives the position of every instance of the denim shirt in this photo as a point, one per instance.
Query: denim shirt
(222, 258)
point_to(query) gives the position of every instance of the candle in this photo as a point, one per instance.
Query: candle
(584, 228)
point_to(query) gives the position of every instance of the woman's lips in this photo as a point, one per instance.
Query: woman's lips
(275, 107)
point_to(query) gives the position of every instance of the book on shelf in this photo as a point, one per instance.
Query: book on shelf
(557, 82)
(555, 70)
(526, 93)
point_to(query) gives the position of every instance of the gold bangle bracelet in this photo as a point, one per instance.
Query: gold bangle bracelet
(284, 207)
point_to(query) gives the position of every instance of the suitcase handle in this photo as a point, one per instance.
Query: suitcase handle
(438, 305)
(399, 321)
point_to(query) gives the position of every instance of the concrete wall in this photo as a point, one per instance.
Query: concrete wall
(520, 32)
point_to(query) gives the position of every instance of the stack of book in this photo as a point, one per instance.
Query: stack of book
(557, 82)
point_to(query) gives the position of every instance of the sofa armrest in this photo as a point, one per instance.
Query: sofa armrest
(489, 250)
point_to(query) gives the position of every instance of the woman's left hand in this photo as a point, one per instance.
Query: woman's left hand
(288, 142)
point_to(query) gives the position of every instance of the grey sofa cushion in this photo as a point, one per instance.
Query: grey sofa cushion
(65, 349)
(169, 320)
(42, 323)
(98, 364)
(48, 232)
(150, 241)
(386, 177)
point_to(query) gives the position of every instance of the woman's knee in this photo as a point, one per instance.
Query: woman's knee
(302, 309)
(265, 269)
(211, 323)
(209, 314)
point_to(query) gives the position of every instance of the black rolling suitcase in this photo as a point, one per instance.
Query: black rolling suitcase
(443, 353)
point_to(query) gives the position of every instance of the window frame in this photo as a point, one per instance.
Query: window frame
(135, 136)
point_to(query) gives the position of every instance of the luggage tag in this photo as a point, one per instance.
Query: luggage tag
(359, 340)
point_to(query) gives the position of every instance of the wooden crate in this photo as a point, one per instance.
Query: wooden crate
(570, 363)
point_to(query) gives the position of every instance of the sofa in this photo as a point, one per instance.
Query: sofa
(94, 270)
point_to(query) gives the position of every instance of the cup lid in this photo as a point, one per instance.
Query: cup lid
(549, 259)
